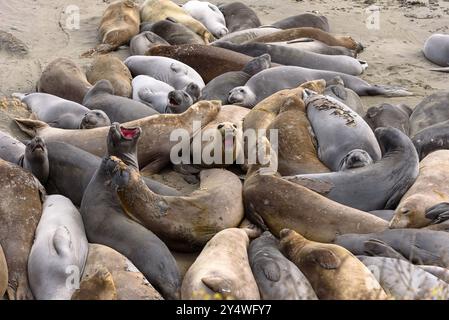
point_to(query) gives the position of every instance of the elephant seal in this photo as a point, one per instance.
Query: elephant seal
(439, 272)
(64, 79)
(120, 22)
(222, 270)
(432, 138)
(64, 114)
(436, 49)
(277, 277)
(219, 87)
(118, 108)
(59, 250)
(112, 69)
(170, 71)
(154, 146)
(296, 152)
(314, 33)
(300, 58)
(243, 36)
(209, 15)
(431, 110)
(337, 90)
(303, 20)
(157, 10)
(128, 282)
(378, 186)
(143, 42)
(404, 281)
(161, 96)
(386, 215)
(312, 45)
(3, 273)
(178, 221)
(345, 140)
(333, 272)
(429, 189)
(239, 16)
(175, 33)
(20, 211)
(419, 246)
(269, 81)
(271, 203)
(33, 156)
(387, 115)
(107, 224)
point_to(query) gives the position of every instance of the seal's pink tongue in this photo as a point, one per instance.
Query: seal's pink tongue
(128, 133)
(229, 141)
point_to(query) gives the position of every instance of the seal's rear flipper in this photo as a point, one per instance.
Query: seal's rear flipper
(30, 127)
(257, 64)
(378, 248)
(388, 91)
(443, 69)
(438, 213)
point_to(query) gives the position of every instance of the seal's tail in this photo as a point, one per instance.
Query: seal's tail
(29, 126)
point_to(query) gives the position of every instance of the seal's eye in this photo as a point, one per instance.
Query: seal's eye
(220, 126)
(405, 211)
(241, 90)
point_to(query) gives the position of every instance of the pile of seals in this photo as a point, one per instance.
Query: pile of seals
(324, 201)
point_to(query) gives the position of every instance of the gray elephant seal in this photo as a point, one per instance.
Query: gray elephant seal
(386, 215)
(432, 138)
(175, 33)
(303, 20)
(436, 49)
(387, 115)
(20, 212)
(269, 81)
(119, 109)
(337, 90)
(345, 140)
(143, 42)
(312, 45)
(419, 246)
(239, 16)
(64, 114)
(219, 87)
(222, 270)
(439, 272)
(277, 277)
(106, 223)
(59, 250)
(170, 71)
(378, 186)
(300, 58)
(209, 15)
(431, 110)
(3, 273)
(32, 157)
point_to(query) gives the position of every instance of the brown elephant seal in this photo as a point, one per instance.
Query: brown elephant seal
(219, 60)
(156, 10)
(387, 115)
(20, 211)
(334, 272)
(143, 42)
(120, 22)
(272, 203)
(64, 79)
(113, 69)
(3, 273)
(431, 110)
(429, 189)
(314, 33)
(222, 270)
(184, 223)
(175, 33)
(239, 16)
(303, 20)
(128, 282)
(154, 146)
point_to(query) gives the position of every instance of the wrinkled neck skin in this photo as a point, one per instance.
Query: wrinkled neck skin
(38, 166)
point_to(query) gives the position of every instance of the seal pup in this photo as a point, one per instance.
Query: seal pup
(59, 250)
(209, 15)
(303, 20)
(429, 190)
(333, 272)
(238, 16)
(156, 10)
(64, 79)
(377, 186)
(143, 42)
(277, 277)
(432, 138)
(222, 270)
(387, 115)
(64, 114)
(436, 50)
(345, 140)
(3, 273)
(19, 217)
(112, 69)
(32, 156)
(175, 33)
(431, 110)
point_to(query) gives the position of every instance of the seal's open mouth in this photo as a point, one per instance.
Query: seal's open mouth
(173, 102)
(129, 133)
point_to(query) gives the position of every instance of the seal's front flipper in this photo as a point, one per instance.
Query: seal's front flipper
(62, 241)
(438, 213)
(316, 185)
(443, 69)
(325, 258)
(99, 286)
(272, 271)
(218, 284)
(378, 248)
